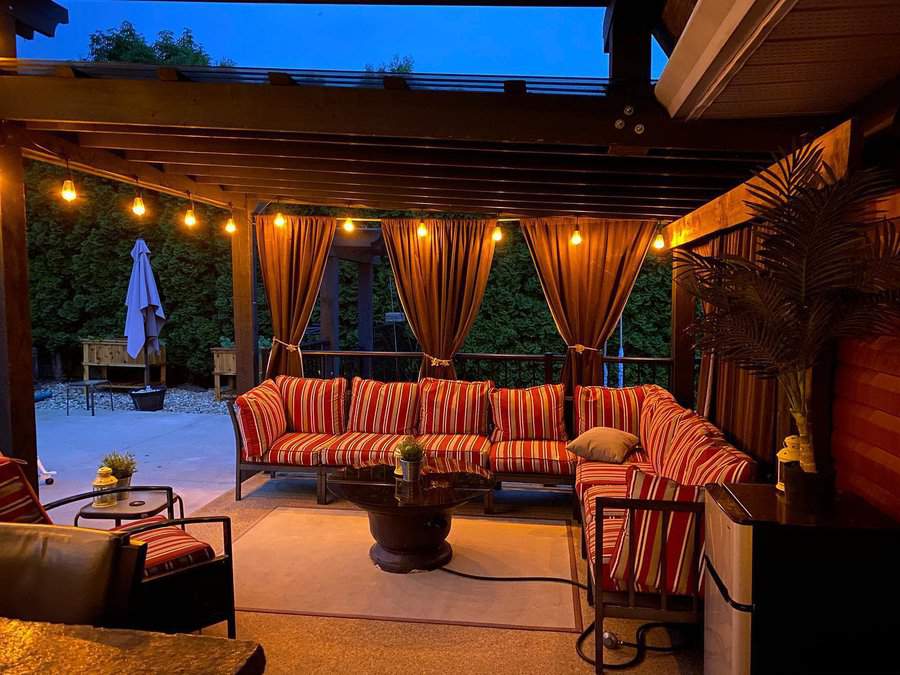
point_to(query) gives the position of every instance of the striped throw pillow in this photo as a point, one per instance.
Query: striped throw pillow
(383, 407)
(617, 408)
(18, 501)
(529, 414)
(453, 406)
(261, 418)
(682, 565)
(313, 406)
(659, 417)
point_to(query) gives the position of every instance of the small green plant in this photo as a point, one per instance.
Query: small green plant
(411, 450)
(123, 464)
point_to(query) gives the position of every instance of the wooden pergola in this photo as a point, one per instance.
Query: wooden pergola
(239, 138)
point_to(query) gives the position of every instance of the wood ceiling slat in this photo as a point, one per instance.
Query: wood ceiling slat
(851, 20)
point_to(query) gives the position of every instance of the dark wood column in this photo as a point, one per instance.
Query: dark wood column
(17, 428)
(243, 279)
(682, 380)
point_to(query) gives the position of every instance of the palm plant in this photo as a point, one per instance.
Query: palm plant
(821, 272)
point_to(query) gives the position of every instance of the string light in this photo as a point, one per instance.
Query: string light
(497, 235)
(348, 225)
(279, 219)
(189, 218)
(137, 206)
(659, 242)
(230, 227)
(422, 230)
(576, 236)
(68, 187)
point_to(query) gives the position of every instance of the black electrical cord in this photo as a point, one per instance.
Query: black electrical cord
(641, 635)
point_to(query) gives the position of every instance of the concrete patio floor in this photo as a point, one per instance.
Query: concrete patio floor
(194, 453)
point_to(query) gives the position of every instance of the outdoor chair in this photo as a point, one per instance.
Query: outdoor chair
(185, 585)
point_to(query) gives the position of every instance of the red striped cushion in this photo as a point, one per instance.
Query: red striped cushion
(682, 564)
(298, 449)
(383, 407)
(608, 407)
(692, 433)
(614, 490)
(355, 447)
(535, 413)
(443, 464)
(603, 473)
(18, 501)
(611, 529)
(464, 447)
(550, 457)
(453, 406)
(659, 417)
(313, 406)
(169, 548)
(261, 418)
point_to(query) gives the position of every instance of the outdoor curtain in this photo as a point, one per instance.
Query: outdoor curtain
(586, 286)
(440, 280)
(292, 259)
(744, 406)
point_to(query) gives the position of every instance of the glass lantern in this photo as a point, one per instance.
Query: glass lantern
(105, 479)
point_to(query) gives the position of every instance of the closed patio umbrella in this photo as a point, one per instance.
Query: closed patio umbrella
(145, 317)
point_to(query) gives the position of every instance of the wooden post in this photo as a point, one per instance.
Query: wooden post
(243, 279)
(681, 381)
(18, 437)
(7, 33)
(365, 328)
(627, 31)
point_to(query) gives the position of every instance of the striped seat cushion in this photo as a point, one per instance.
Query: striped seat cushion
(383, 407)
(613, 490)
(18, 501)
(589, 473)
(618, 408)
(547, 457)
(261, 418)
(453, 406)
(465, 447)
(441, 464)
(659, 417)
(611, 529)
(682, 561)
(535, 413)
(355, 447)
(169, 548)
(295, 449)
(313, 406)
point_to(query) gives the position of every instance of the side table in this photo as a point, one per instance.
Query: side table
(90, 388)
(136, 505)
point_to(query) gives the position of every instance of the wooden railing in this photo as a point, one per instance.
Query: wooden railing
(506, 370)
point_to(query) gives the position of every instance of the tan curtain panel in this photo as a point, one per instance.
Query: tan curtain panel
(744, 406)
(292, 259)
(587, 286)
(440, 280)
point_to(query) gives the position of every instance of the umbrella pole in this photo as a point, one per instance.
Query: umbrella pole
(146, 367)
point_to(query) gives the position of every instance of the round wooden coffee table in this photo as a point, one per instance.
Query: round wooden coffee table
(410, 521)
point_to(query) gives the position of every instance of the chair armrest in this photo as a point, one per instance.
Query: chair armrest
(170, 495)
(194, 520)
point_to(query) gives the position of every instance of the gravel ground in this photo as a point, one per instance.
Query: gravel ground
(178, 399)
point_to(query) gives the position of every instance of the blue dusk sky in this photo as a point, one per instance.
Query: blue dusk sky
(485, 40)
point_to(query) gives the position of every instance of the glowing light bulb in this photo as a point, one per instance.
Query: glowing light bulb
(279, 219)
(348, 225)
(659, 242)
(421, 230)
(576, 237)
(189, 218)
(68, 190)
(137, 207)
(497, 234)
(230, 227)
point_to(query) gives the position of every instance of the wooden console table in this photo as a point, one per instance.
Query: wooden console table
(106, 354)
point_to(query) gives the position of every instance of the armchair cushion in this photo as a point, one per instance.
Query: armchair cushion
(18, 501)
(601, 473)
(261, 418)
(168, 548)
(535, 456)
(470, 448)
(619, 408)
(383, 407)
(453, 406)
(355, 447)
(297, 449)
(532, 414)
(313, 406)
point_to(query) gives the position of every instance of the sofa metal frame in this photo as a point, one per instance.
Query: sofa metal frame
(631, 604)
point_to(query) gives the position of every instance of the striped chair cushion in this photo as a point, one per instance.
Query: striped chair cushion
(453, 406)
(296, 449)
(682, 563)
(608, 407)
(313, 406)
(355, 447)
(659, 417)
(589, 473)
(383, 407)
(169, 548)
(529, 414)
(261, 418)
(713, 461)
(548, 457)
(18, 501)
(611, 529)
(692, 434)
(464, 447)
(589, 502)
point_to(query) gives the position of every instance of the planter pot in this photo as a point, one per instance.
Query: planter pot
(148, 401)
(411, 470)
(123, 482)
(805, 491)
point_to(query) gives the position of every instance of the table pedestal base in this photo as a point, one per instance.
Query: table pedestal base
(409, 540)
(404, 563)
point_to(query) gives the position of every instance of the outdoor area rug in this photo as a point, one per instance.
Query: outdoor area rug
(316, 562)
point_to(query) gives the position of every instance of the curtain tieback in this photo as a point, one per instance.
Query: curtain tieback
(580, 348)
(435, 361)
(286, 345)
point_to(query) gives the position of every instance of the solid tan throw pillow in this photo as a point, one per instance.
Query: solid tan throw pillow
(603, 444)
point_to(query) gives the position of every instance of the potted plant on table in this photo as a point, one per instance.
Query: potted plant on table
(411, 454)
(123, 466)
(821, 272)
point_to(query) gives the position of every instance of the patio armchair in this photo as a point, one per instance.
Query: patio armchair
(185, 585)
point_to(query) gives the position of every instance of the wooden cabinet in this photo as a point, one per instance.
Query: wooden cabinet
(224, 365)
(106, 354)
